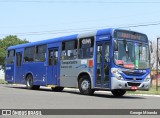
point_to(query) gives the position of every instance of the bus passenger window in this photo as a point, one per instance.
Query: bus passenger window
(106, 52)
(10, 57)
(19, 59)
(50, 57)
(99, 53)
(55, 57)
(86, 47)
(40, 53)
(29, 54)
(69, 50)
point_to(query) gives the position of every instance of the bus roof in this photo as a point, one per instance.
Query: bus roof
(99, 32)
(64, 38)
(43, 42)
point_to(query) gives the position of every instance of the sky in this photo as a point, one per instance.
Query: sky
(37, 20)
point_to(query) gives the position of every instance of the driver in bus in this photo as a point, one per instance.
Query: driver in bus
(126, 57)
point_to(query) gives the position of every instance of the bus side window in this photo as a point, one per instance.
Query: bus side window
(29, 54)
(40, 53)
(19, 59)
(69, 50)
(55, 57)
(50, 57)
(99, 53)
(10, 56)
(106, 52)
(86, 47)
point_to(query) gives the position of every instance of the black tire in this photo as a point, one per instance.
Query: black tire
(118, 92)
(57, 89)
(29, 83)
(35, 87)
(84, 85)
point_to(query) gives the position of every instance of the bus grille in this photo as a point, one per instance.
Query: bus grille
(133, 84)
(132, 73)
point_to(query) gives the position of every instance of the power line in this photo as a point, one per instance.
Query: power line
(77, 30)
(82, 1)
(52, 32)
(141, 25)
(142, 14)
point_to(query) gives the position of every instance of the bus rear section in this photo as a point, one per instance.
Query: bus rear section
(10, 61)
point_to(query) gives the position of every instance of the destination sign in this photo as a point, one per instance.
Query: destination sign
(128, 36)
(120, 34)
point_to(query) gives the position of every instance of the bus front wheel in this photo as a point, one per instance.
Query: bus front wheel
(118, 92)
(84, 85)
(29, 83)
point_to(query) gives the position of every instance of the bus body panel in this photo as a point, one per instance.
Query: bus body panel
(70, 69)
(9, 73)
(37, 70)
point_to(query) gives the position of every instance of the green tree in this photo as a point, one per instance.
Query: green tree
(5, 43)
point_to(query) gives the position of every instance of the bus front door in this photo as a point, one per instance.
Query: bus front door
(53, 66)
(102, 62)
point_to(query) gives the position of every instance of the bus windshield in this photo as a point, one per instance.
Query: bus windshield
(132, 55)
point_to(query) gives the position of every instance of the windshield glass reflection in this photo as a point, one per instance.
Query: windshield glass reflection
(132, 55)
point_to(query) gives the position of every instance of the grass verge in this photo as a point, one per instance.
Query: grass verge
(152, 91)
(2, 81)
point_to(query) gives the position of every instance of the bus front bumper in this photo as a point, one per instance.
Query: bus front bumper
(129, 85)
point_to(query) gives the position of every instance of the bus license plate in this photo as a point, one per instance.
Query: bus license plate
(134, 88)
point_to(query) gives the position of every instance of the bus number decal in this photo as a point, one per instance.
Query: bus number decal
(8, 68)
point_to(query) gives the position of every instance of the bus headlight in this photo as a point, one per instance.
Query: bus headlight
(148, 78)
(117, 74)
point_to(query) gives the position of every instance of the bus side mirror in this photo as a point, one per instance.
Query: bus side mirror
(151, 48)
(115, 45)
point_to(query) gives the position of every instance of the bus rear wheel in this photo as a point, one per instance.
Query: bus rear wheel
(29, 83)
(118, 92)
(84, 85)
(57, 89)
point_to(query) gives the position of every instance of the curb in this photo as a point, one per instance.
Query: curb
(148, 95)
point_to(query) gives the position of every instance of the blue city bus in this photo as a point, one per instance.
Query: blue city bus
(110, 59)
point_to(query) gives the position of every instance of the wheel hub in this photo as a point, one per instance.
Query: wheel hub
(85, 85)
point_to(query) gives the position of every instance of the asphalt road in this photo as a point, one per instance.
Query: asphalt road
(18, 97)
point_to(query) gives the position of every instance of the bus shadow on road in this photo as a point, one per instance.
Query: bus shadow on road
(100, 94)
(25, 88)
(107, 95)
